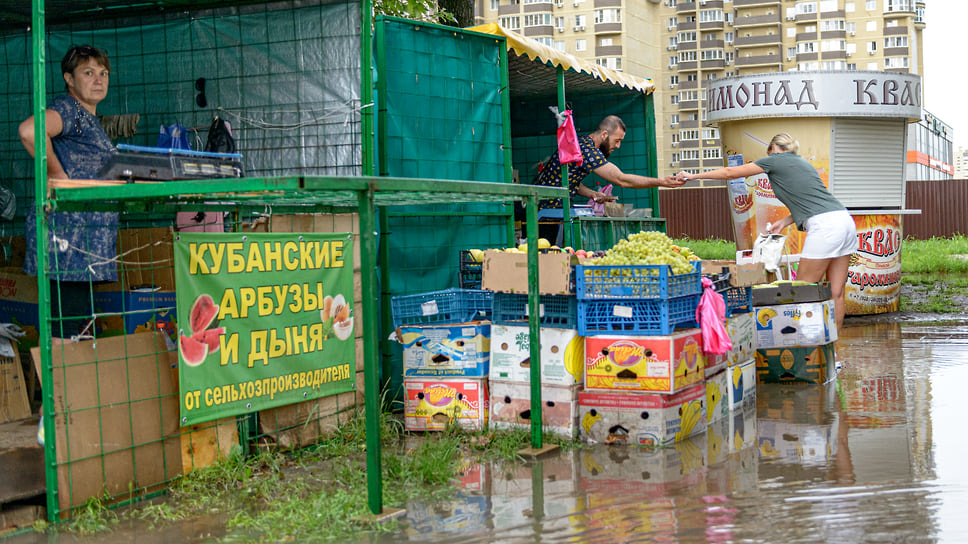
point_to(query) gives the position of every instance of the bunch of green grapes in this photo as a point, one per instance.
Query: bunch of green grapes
(649, 248)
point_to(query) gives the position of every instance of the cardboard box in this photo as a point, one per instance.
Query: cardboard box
(787, 292)
(813, 364)
(149, 258)
(18, 303)
(658, 364)
(461, 350)
(741, 329)
(562, 355)
(799, 402)
(796, 443)
(120, 413)
(465, 512)
(717, 397)
(432, 405)
(508, 273)
(510, 407)
(135, 311)
(741, 385)
(740, 275)
(14, 403)
(801, 324)
(645, 419)
(715, 363)
(651, 473)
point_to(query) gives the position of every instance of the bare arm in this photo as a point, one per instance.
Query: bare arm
(55, 125)
(611, 173)
(730, 172)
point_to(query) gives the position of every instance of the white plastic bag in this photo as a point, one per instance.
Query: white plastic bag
(768, 249)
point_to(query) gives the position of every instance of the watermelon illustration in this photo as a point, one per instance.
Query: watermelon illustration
(210, 337)
(203, 313)
(192, 351)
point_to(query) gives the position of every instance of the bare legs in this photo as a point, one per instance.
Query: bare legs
(835, 270)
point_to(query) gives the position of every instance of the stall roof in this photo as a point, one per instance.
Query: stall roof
(16, 14)
(528, 77)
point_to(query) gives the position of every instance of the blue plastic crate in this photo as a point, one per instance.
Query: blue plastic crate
(636, 316)
(739, 300)
(447, 306)
(558, 311)
(635, 282)
(470, 271)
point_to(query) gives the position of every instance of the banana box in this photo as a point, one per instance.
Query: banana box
(643, 419)
(558, 472)
(812, 364)
(801, 324)
(562, 355)
(797, 443)
(433, 405)
(731, 434)
(741, 385)
(510, 407)
(741, 329)
(656, 364)
(645, 473)
(798, 402)
(624, 521)
(460, 350)
(514, 518)
(717, 397)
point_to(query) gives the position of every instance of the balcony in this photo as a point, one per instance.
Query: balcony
(686, 25)
(711, 44)
(608, 3)
(694, 163)
(806, 37)
(511, 9)
(759, 60)
(688, 123)
(690, 66)
(712, 25)
(686, 85)
(896, 52)
(714, 64)
(896, 31)
(806, 17)
(831, 35)
(747, 21)
(836, 14)
(685, 6)
(607, 28)
(534, 8)
(688, 105)
(753, 3)
(807, 57)
(757, 40)
(540, 30)
(833, 55)
(608, 50)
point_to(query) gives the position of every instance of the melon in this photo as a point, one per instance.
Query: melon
(192, 351)
(203, 313)
(210, 337)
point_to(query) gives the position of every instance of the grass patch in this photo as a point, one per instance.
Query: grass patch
(709, 248)
(935, 256)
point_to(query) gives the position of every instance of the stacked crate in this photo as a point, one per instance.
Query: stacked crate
(795, 332)
(644, 378)
(446, 339)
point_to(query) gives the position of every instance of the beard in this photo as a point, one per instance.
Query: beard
(605, 149)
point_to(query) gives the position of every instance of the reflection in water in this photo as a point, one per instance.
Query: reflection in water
(854, 460)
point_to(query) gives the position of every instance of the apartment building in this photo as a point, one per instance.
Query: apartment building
(683, 46)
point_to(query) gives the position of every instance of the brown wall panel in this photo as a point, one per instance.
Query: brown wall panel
(696, 213)
(942, 204)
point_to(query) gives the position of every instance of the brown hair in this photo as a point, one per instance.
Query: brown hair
(80, 53)
(611, 124)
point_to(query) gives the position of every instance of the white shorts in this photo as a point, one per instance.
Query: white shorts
(829, 235)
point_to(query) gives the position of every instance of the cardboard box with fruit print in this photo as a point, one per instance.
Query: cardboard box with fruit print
(801, 324)
(433, 405)
(645, 419)
(658, 364)
(459, 350)
(510, 407)
(562, 355)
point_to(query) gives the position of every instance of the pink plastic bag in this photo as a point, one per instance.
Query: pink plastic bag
(711, 315)
(598, 208)
(569, 152)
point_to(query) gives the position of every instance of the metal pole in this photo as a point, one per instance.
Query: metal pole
(531, 209)
(371, 370)
(566, 223)
(506, 137)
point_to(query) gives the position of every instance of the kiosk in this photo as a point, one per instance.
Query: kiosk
(852, 128)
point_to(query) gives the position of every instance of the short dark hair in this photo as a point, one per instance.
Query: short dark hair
(80, 53)
(611, 124)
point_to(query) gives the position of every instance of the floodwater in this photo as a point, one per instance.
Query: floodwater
(879, 455)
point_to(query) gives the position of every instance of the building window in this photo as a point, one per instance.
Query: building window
(687, 37)
(495, 4)
(673, 42)
(673, 80)
(560, 45)
(712, 54)
(806, 7)
(675, 157)
(791, 51)
(872, 66)
(729, 59)
(728, 37)
(688, 135)
(808, 66)
(615, 63)
(675, 99)
(807, 47)
(791, 32)
(711, 37)
(608, 16)
(580, 45)
(710, 15)
(690, 154)
(511, 23)
(560, 24)
(537, 19)
(852, 66)
(545, 41)
(833, 45)
(710, 76)
(895, 62)
(537, 1)
(674, 119)
(871, 47)
(710, 133)
(605, 42)
(832, 24)
(851, 27)
(872, 26)
(828, 5)
(687, 56)
(833, 65)
(673, 61)
(673, 22)
(870, 5)
(712, 153)
(896, 41)
(687, 96)
(810, 29)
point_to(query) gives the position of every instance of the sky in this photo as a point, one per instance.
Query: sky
(945, 82)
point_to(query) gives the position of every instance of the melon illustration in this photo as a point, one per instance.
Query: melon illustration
(192, 351)
(210, 337)
(203, 313)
